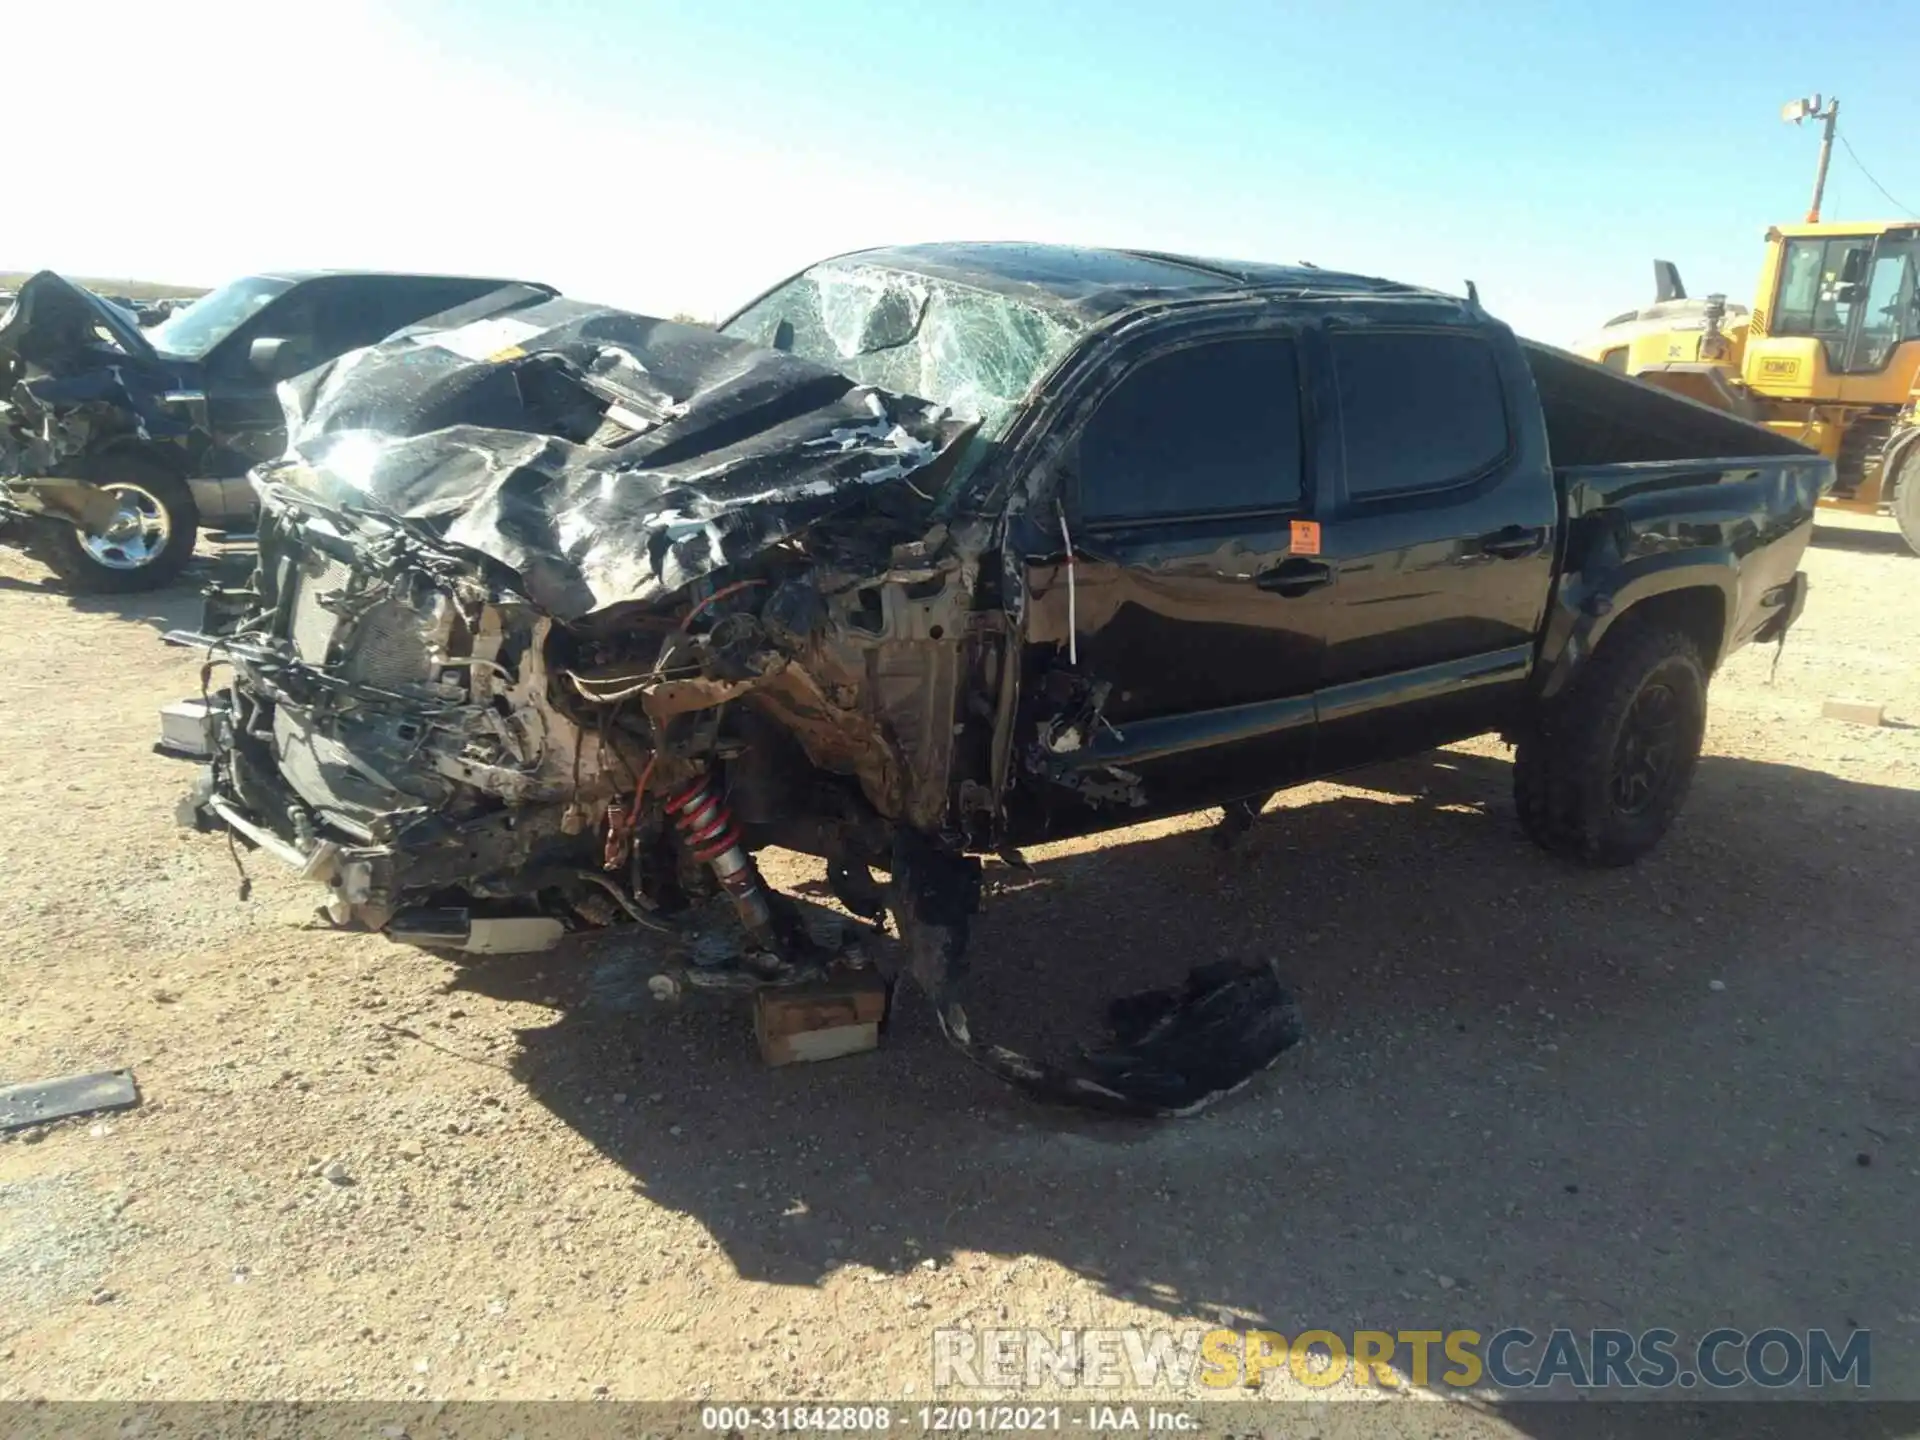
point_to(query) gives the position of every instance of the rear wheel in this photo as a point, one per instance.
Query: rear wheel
(1606, 768)
(1906, 495)
(147, 544)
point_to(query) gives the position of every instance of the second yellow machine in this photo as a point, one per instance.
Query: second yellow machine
(1829, 353)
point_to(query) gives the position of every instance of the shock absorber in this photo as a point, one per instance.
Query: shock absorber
(707, 827)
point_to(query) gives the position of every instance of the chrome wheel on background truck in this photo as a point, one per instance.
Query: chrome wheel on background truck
(146, 544)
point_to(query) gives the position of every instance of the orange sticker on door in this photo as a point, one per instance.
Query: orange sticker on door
(1306, 538)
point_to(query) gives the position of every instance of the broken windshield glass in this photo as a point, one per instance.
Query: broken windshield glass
(976, 353)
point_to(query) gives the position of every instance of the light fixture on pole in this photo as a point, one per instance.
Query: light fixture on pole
(1798, 111)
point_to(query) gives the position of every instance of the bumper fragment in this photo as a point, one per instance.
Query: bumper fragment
(74, 502)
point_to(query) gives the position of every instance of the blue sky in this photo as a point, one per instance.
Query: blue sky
(681, 157)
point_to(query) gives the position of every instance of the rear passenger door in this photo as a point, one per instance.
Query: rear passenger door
(1186, 597)
(365, 309)
(1440, 525)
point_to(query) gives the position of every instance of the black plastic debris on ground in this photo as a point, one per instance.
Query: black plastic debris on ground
(1168, 1053)
(39, 1101)
(1176, 1051)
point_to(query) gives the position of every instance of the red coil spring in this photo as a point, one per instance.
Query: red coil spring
(704, 820)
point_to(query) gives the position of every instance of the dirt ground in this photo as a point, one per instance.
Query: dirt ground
(1684, 1094)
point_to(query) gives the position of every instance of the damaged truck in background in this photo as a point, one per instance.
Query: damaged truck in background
(118, 443)
(562, 613)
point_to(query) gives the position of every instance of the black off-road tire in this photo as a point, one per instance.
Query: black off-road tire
(1579, 777)
(94, 565)
(1906, 496)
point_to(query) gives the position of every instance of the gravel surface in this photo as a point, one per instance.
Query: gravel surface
(1682, 1094)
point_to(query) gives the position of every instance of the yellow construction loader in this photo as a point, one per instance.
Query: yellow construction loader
(1829, 354)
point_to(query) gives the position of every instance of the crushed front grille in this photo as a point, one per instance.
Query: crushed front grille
(313, 624)
(390, 648)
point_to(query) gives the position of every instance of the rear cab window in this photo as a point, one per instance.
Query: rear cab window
(1420, 410)
(1211, 429)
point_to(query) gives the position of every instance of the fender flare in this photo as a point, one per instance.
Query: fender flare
(1600, 604)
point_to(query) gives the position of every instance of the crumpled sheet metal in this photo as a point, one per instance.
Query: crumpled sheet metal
(56, 326)
(80, 387)
(92, 405)
(711, 451)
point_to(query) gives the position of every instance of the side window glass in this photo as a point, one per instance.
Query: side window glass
(290, 317)
(1213, 428)
(1890, 314)
(1816, 296)
(1419, 409)
(1839, 294)
(1799, 287)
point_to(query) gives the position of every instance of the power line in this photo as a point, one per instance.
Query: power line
(1875, 183)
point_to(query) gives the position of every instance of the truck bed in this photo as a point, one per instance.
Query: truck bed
(1597, 417)
(1656, 489)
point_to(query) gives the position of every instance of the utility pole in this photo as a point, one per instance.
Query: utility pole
(1810, 109)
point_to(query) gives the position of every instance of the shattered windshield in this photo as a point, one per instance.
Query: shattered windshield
(190, 333)
(977, 353)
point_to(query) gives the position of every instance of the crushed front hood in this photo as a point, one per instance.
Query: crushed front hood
(57, 326)
(77, 375)
(605, 458)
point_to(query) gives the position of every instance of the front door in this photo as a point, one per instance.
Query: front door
(243, 408)
(1822, 286)
(1889, 308)
(1441, 531)
(1187, 598)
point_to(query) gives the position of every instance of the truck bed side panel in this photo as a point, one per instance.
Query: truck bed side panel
(1737, 528)
(1662, 495)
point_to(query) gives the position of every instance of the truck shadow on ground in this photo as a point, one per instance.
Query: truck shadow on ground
(1532, 1095)
(173, 607)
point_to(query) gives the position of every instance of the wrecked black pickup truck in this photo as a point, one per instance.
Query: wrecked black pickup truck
(118, 442)
(931, 552)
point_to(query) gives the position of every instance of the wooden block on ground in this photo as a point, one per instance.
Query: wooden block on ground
(820, 1020)
(1855, 712)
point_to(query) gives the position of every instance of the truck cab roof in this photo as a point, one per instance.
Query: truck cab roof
(1095, 283)
(297, 277)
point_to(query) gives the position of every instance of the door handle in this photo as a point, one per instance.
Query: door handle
(1295, 576)
(1516, 542)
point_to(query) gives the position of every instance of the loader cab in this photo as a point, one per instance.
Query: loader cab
(1837, 318)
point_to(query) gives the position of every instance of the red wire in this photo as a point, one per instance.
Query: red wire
(639, 788)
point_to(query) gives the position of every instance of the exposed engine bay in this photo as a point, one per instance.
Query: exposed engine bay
(562, 614)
